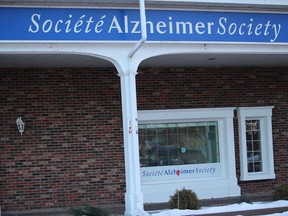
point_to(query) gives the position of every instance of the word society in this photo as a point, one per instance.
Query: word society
(220, 26)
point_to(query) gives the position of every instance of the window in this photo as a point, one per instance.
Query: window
(255, 140)
(253, 145)
(191, 148)
(179, 143)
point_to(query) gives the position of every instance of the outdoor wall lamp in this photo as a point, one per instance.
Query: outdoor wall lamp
(20, 125)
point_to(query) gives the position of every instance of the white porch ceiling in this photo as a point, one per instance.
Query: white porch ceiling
(179, 60)
(193, 4)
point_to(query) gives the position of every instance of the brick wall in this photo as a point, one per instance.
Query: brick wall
(71, 152)
(72, 149)
(170, 88)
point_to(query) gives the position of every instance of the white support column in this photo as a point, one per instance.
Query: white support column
(133, 196)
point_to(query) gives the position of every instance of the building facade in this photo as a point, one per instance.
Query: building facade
(194, 98)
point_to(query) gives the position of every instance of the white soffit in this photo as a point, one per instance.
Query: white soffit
(232, 2)
(179, 60)
(244, 4)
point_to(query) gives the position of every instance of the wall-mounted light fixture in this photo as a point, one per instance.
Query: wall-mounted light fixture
(20, 125)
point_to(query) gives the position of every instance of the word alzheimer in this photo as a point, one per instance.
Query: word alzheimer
(220, 26)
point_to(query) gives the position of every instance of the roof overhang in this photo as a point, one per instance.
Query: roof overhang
(17, 60)
(192, 4)
(170, 60)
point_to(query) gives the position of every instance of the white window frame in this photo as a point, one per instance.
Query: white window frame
(224, 185)
(264, 115)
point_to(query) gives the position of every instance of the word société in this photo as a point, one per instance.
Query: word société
(124, 25)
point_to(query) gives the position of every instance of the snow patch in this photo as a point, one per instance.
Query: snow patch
(226, 208)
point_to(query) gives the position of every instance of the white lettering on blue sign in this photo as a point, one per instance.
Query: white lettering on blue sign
(124, 24)
(249, 29)
(46, 26)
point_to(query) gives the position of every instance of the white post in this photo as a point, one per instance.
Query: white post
(133, 195)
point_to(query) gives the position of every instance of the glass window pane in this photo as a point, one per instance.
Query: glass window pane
(253, 142)
(182, 130)
(162, 140)
(173, 140)
(179, 143)
(161, 129)
(151, 131)
(258, 167)
(257, 146)
(248, 135)
(256, 135)
(249, 146)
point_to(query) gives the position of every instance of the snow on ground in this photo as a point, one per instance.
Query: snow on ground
(226, 208)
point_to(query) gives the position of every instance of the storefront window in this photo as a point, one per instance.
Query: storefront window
(164, 144)
(191, 148)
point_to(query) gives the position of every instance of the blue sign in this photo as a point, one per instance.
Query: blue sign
(74, 24)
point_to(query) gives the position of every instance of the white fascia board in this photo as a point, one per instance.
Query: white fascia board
(232, 2)
(171, 115)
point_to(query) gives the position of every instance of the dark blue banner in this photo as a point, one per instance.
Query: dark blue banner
(66, 24)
